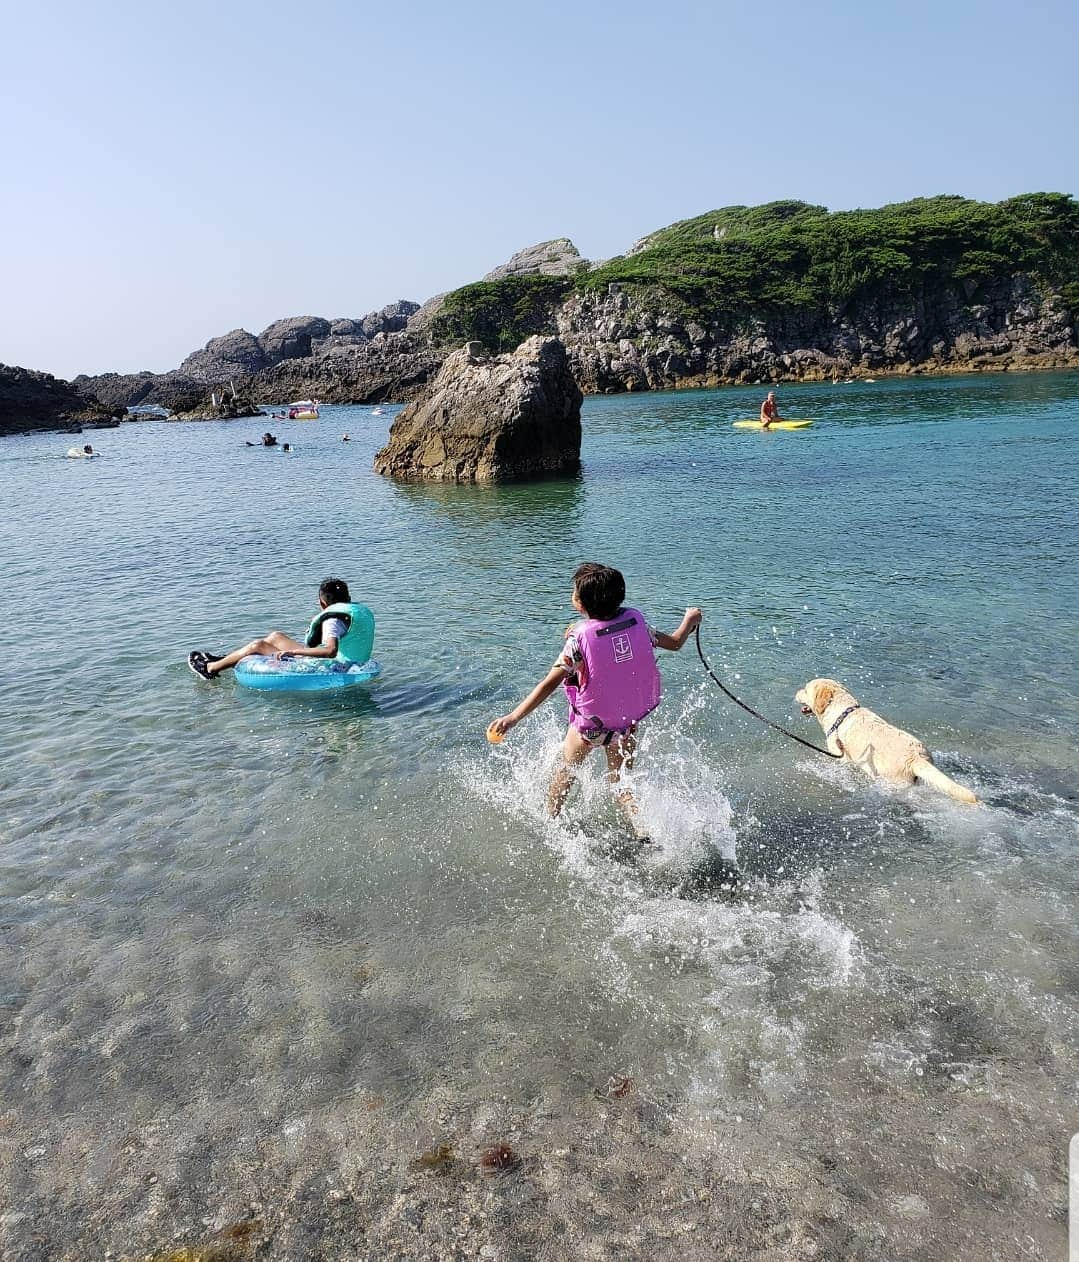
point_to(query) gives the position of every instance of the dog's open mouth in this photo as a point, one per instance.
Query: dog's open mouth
(806, 710)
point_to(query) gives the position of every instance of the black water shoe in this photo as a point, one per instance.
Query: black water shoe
(196, 662)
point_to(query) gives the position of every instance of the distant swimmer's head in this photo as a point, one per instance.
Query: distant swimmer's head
(334, 591)
(598, 591)
(88, 449)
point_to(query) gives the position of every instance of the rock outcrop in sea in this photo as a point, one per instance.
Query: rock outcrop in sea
(220, 406)
(39, 401)
(490, 418)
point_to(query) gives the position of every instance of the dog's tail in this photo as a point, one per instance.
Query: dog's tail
(926, 771)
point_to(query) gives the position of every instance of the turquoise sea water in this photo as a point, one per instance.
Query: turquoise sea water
(252, 945)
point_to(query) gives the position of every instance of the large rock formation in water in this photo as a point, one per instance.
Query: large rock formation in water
(219, 406)
(490, 418)
(36, 400)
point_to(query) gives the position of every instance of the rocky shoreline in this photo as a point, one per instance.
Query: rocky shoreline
(672, 321)
(623, 342)
(405, 387)
(32, 401)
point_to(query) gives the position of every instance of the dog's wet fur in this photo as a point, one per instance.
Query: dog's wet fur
(873, 744)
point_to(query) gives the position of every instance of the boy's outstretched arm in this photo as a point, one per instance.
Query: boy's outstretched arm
(550, 682)
(327, 649)
(674, 642)
(323, 650)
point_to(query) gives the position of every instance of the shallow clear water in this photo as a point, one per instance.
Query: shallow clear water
(254, 945)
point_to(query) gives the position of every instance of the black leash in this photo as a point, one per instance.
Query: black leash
(749, 709)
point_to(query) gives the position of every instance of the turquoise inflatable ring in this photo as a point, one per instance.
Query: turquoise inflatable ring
(304, 674)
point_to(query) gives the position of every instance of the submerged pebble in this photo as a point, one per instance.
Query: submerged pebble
(439, 1160)
(499, 1159)
(617, 1087)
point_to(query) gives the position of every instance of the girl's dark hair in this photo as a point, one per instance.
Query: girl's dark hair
(600, 589)
(334, 591)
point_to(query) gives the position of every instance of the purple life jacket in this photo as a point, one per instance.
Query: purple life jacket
(621, 678)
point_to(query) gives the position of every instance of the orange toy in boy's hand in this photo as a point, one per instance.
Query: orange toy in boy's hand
(494, 735)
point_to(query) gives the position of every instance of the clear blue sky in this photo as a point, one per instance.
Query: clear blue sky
(177, 170)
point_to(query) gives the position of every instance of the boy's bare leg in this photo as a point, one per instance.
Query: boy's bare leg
(620, 753)
(575, 749)
(275, 642)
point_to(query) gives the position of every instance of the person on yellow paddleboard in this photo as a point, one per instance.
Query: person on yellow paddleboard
(769, 410)
(608, 670)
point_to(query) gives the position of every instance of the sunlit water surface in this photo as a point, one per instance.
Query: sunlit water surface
(254, 945)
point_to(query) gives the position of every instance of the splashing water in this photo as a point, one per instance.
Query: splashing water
(293, 945)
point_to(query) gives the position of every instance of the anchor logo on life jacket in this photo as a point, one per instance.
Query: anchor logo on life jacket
(623, 648)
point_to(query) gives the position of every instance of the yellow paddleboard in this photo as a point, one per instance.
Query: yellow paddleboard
(774, 425)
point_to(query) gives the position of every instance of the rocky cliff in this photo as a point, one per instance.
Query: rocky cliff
(117, 390)
(362, 359)
(790, 291)
(36, 400)
(628, 341)
(786, 291)
(490, 418)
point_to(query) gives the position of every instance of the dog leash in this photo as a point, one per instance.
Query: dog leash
(749, 709)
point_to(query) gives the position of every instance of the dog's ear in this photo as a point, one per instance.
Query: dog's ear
(823, 694)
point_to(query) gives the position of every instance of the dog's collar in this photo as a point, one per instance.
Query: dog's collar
(835, 726)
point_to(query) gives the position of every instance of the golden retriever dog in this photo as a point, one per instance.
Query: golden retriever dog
(866, 740)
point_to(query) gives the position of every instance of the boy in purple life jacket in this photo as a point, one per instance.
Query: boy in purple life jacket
(608, 669)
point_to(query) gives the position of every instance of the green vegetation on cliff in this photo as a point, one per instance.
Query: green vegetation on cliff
(499, 313)
(789, 257)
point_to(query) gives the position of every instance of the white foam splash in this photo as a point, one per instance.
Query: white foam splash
(756, 960)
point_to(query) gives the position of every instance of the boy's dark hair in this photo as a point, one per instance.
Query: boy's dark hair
(334, 591)
(600, 589)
